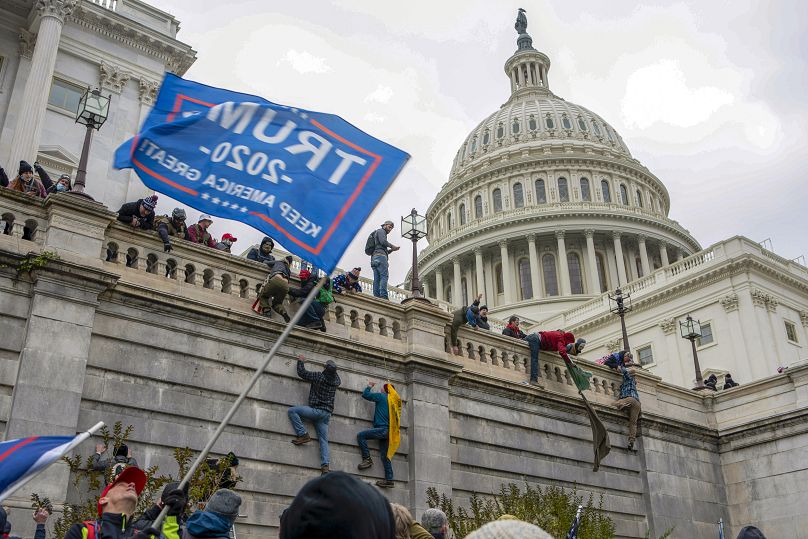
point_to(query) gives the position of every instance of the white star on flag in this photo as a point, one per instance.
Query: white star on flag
(225, 204)
(215, 200)
(234, 207)
(243, 209)
(205, 196)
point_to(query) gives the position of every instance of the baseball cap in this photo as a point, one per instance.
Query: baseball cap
(130, 474)
(204, 217)
(230, 237)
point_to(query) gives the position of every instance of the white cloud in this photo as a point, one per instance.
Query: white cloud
(304, 62)
(658, 93)
(373, 118)
(382, 94)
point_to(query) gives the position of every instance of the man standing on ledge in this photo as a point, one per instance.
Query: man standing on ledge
(378, 259)
(629, 399)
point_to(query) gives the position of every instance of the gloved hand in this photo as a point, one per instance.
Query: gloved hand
(176, 500)
(147, 533)
(167, 247)
(36, 164)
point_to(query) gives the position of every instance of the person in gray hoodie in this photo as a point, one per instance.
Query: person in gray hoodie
(217, 519)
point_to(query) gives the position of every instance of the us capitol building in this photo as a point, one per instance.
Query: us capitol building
(546, 211)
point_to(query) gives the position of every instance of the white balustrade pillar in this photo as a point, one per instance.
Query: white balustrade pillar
(533, 254)
(478, 270)
(594, 280)
(507, 274)
(563, 268)
(439, 284)
(646, 267)
(25, 140)
(619, 260)
(457, 296)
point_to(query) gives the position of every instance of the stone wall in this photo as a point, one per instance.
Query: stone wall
(88, 340)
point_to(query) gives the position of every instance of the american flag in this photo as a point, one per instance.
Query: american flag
(720, 528)
(573, 533)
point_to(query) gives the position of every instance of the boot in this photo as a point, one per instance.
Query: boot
(324, 469)
(366, 463)
(384, 483)
(300, 440)
(286, 317)
(631, 446)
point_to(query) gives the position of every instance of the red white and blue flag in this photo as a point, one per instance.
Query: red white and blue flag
(23, 458)
(308, 179)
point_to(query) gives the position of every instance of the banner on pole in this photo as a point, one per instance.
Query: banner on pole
(22, 458)
(307, 178)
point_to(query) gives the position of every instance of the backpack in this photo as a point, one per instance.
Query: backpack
(325, 296)
(370, 243)
(117, 468)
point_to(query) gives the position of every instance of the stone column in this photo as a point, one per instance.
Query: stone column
(456, 283)
(25, 140)
(439, 284)
(680, 255)
(478, 270)
(618, 256)
(594, 280)
(663, 254)
(425, 286)
(507, 275)
(563, 269)
(51, 376)
(631, 270)
(646, 267)
(533, 254)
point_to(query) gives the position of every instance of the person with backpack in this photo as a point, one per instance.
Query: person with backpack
(275, 288)
(313, 318)
(173, 225)
(378, 248)
(198, 233)
(121, 458)
(468, 314)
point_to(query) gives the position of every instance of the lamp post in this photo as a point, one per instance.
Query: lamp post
(413, 227)
(691, 330)
(92, 112)
(622, 304)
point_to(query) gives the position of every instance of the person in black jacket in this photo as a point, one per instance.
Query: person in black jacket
(313, 317)
(729, 383)
(275, 288)
(175, 499)
(512, 329)
(121, 458)
(62, 185)
(263, 253)
(171, 226)
(139, 214)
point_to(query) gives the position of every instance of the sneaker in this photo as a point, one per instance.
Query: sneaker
(536, 383)
(267, 313)
(631, 446)
(322, 327)
(366, 463)
(314, 325)
(324, 469)
(300, 440)
(384, 483)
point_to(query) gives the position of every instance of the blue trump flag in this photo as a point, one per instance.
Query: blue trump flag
(307, 178)
(23, 458)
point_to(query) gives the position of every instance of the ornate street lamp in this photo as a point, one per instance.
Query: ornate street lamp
(413, 227)
(691, 330)
(93, 112)
(622, 305)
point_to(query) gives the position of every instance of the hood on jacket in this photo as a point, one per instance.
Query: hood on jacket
(569, 338)
(268, 240)
(207, 524)
(751, 532)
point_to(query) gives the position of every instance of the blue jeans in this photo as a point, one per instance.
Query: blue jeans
(534, 341)
(380, 266)
(381, 434)
(314, 313)
(320, 418)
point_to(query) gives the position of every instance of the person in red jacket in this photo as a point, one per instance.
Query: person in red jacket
(550, 341)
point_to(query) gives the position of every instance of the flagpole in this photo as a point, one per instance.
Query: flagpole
(76, 441)
(243, 395)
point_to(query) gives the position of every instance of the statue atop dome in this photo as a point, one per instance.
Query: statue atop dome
(521, 22)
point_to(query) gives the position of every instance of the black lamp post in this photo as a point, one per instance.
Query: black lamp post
(622, 305)
(413, 227)
(93, 112)
(691, 330)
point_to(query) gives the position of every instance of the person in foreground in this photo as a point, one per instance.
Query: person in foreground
(216, 520)
(509, 529)
(406, 527)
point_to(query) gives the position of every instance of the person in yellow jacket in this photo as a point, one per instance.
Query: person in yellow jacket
(386, 429)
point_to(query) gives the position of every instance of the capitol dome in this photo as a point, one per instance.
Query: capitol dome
(545, 207)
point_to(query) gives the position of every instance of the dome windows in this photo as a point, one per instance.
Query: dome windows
(576, 276)
(525, 285)
(518, 195)
(596, 128)
(541, 192)
(478, 207)
(582, 124)
(639, 198)
(531, 123)
(585, 194)
(500, 130)
(515, 127)
(462, 214)
(623, 194)
(449, 221)
(563, 190)
(548, 267)
(486, 137)
(606, 192)
(497, 195)
(609, 134)
(565, 122)
(473, 145)
(548, 121)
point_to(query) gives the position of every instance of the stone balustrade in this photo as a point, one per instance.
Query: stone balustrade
(22, 216)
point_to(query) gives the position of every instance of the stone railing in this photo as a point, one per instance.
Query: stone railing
(111, 5)
(22, 216)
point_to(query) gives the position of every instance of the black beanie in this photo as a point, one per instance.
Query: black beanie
(338, 506)
(25, 167)
(121, 451)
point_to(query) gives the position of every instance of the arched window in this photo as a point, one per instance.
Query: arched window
(531, 123)
(576, 277)
(515, 127)
(462, 213)
(623, 194)
(581, 124)
(500, 283)
(548, 121)
(609, 134)
(563, 190)
(525, 284)
(607, 195)
(596, 128)
(639, 198)
(565, 122)
(449, 221)
(585, 194)
(601, 272)
(486, 137)
(478, 207)
(518, 195)
(497, 200)
(474, 144)
(541, 192)
(550, 277)
(500, 130)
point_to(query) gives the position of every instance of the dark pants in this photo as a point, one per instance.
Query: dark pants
(534, 341)
(273, 293)
(381, 434)
(314, 314)
(458, 319)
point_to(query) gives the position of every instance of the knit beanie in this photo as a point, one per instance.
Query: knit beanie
(25, 167)
(224, 503)
(150, 202)
(509, 529)
(338, 506)
(751, 532)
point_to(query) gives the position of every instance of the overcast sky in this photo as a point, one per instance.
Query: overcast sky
(710, 96)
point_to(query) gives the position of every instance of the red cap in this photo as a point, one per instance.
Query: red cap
(304, 274)
(130, 474)
(230, 237)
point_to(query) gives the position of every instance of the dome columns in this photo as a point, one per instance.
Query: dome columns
(618, 254)
(562, 263)
(646, 267)
(478, 269)
(594, 281)
(439, 284)
(533, 258)
(507, 280)
(457, 282)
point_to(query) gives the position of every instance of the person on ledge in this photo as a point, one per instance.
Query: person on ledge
(62, 185)
(477, 315)
(711, 382)
(348, 283)
(629, 399)
(198, 233)
(380, 431)
(313, 317)
(729, 383)
(227, 242)
(25, 182)
(379, 253)
(263, 253)
(171, 226)
(322, 391)
(139, 214)
(550, 341)
(474, 315)
(275, 288)
(615, 360)
(512, 329)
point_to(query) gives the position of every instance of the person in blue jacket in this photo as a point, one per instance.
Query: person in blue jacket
(380, 431)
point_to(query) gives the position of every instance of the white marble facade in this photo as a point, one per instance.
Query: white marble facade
(122, 47)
